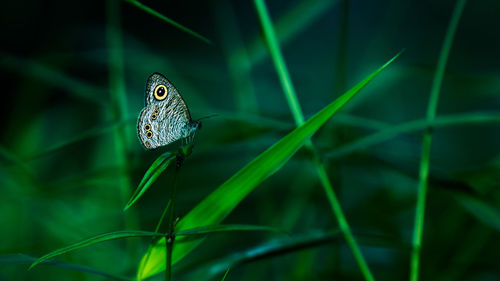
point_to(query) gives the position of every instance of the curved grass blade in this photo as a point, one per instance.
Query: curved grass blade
(154, 171)
(289, 25)
(91, 133)
(225, 274)
(427, 140)
(279, 247)
(483, 211)
(12, 158)
(294, 105)
(478, 118)
(94, 240)
(13, 259)
(220, 203)
(265, 251)
(223, 228)
(35, 70)
(169, 21)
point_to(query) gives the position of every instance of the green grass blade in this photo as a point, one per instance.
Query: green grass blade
(157, 229)
(119, 110)
(224, 228)
(154, 171)
(12, 158)
(279, 62)
(484, 212)
(55, 78)
(294, 105)
(268, 250)
(14, 259)
(295, 20)
(427, 139)
(168, 20)
(94, 240)
(479, 118)
(225, 274)
(91, 133)
(216, 206)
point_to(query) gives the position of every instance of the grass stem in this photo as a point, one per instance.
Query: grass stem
(294, 105)
(386, 134)
(170, 237)
(169, 21)
(427, 140)
(118, 109)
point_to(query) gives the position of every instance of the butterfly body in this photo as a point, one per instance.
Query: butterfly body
(165, 117)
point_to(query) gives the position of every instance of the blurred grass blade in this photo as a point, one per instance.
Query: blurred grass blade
(265, 251)
(223, 228)
(279, 62)
(216, 206)
(94, 240)
(154, 171)
(91, 133)
(53, 77)
(427, 140)
(12, 158)
(168, 20)
(225, 274)
(294, 21)
(483, 211)
(25, 259)
(479, 118)
(293, 103)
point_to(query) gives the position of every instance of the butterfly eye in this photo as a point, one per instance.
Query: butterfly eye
(147, 127)
(160, 92)
(149, 134)
(148, 145)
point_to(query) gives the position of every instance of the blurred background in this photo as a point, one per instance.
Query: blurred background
(74, 76)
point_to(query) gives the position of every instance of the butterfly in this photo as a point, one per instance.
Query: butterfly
(165, 117)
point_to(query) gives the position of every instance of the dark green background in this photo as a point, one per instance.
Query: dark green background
(63, 179)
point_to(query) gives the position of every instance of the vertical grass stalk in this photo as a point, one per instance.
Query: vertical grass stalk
(427, 139)
(118, 107)
(157, 229)
(170, 237)
(294, 105)
(279, 62)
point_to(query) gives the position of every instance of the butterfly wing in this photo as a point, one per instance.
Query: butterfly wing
(173, 98)
(166, 117)
(147, 128)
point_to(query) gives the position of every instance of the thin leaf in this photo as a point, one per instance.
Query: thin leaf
(279, 62)
(483, 211)
(216, 206)
(291, 23)
(91, 133)
(168, 20)
(223, 228)
(59, 79)
(25, 259)
(94, 240)
(264, 251)
(279, 247)
(478, 118)
(427, 140)
(154, 171)
(225, 274)
(293, 103)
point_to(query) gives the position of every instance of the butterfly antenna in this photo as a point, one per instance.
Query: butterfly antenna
(209, 116)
